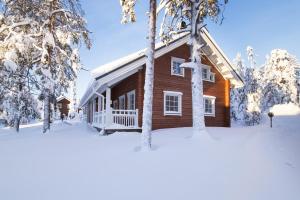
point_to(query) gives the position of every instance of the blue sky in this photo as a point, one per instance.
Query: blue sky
(265, 25)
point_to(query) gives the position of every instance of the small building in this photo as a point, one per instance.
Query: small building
(114, 100)
(63, 104)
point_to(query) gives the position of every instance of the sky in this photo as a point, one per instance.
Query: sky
(262, 24)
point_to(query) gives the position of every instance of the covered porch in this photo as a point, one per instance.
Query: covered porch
(118, 117)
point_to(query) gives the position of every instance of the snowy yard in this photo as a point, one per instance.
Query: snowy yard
(73, 162)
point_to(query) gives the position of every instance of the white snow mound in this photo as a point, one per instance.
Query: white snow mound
(285, 109)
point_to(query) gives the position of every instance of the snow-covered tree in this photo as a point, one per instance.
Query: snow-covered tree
(237, 95)
(17, 102)
(279, 82)
(245, 101)
(239, 65)
(53, 29)
(128, 15)
(252, 97)
(188, 16)
(17, 82)
(251, 55)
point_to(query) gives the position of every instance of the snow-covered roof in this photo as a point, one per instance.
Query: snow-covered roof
(114, 65)
(61, 98)
(117, 70)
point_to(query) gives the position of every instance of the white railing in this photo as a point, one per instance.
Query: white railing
(126, 118)
(117, 119)
(99, 119)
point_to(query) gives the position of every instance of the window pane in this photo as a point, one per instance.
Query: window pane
(204, 73)
(208, 106)
(171, 103)
(177, 69)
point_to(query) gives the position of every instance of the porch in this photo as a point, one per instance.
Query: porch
(116, 119)
(106, 118)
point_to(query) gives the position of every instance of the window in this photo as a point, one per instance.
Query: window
(209, 105)
(59, 105)
(172, 103)
(175, 66)
(207, 75)
(96, 104)
(122, 102)
(115, 104)
(131, 100)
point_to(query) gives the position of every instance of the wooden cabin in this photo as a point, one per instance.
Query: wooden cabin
(63, 104)
(114, 100)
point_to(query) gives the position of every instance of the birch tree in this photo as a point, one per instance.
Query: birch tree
(129, 16)
(187, 16)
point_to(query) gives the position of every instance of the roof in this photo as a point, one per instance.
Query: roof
(61, 98)
(111, 73)
(114, 65)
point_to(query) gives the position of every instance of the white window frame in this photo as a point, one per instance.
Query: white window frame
(124, 106)
(172, 113)
(209, 73)
(213, 98)
(178, 60)
(128, 100)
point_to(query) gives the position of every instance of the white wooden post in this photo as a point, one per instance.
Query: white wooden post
(136, 118)
(93, 110)
(108, 108)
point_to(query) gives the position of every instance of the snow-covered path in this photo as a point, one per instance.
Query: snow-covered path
(72, 162)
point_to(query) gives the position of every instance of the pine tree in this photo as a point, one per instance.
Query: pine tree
(237, 95)
(279, 81)
(245, 101)
(50, 32)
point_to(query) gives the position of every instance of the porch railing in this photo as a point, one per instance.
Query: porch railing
(99, 119)
(127, 118)
(116, 119)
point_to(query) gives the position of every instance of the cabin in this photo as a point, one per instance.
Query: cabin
(63, 104)
(114, 99)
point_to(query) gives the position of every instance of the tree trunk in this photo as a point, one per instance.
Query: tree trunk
(18, 113)
(46, 123)
(149, 76)
(17, 123)
(197, 82)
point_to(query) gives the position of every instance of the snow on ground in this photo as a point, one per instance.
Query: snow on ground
(73, 162)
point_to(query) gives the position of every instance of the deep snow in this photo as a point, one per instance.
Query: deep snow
(73, 162)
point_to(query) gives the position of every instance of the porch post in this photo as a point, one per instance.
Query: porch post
(108, 108)
(93, 110)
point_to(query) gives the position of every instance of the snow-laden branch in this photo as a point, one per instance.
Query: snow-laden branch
(189, 65)
(15, 25)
